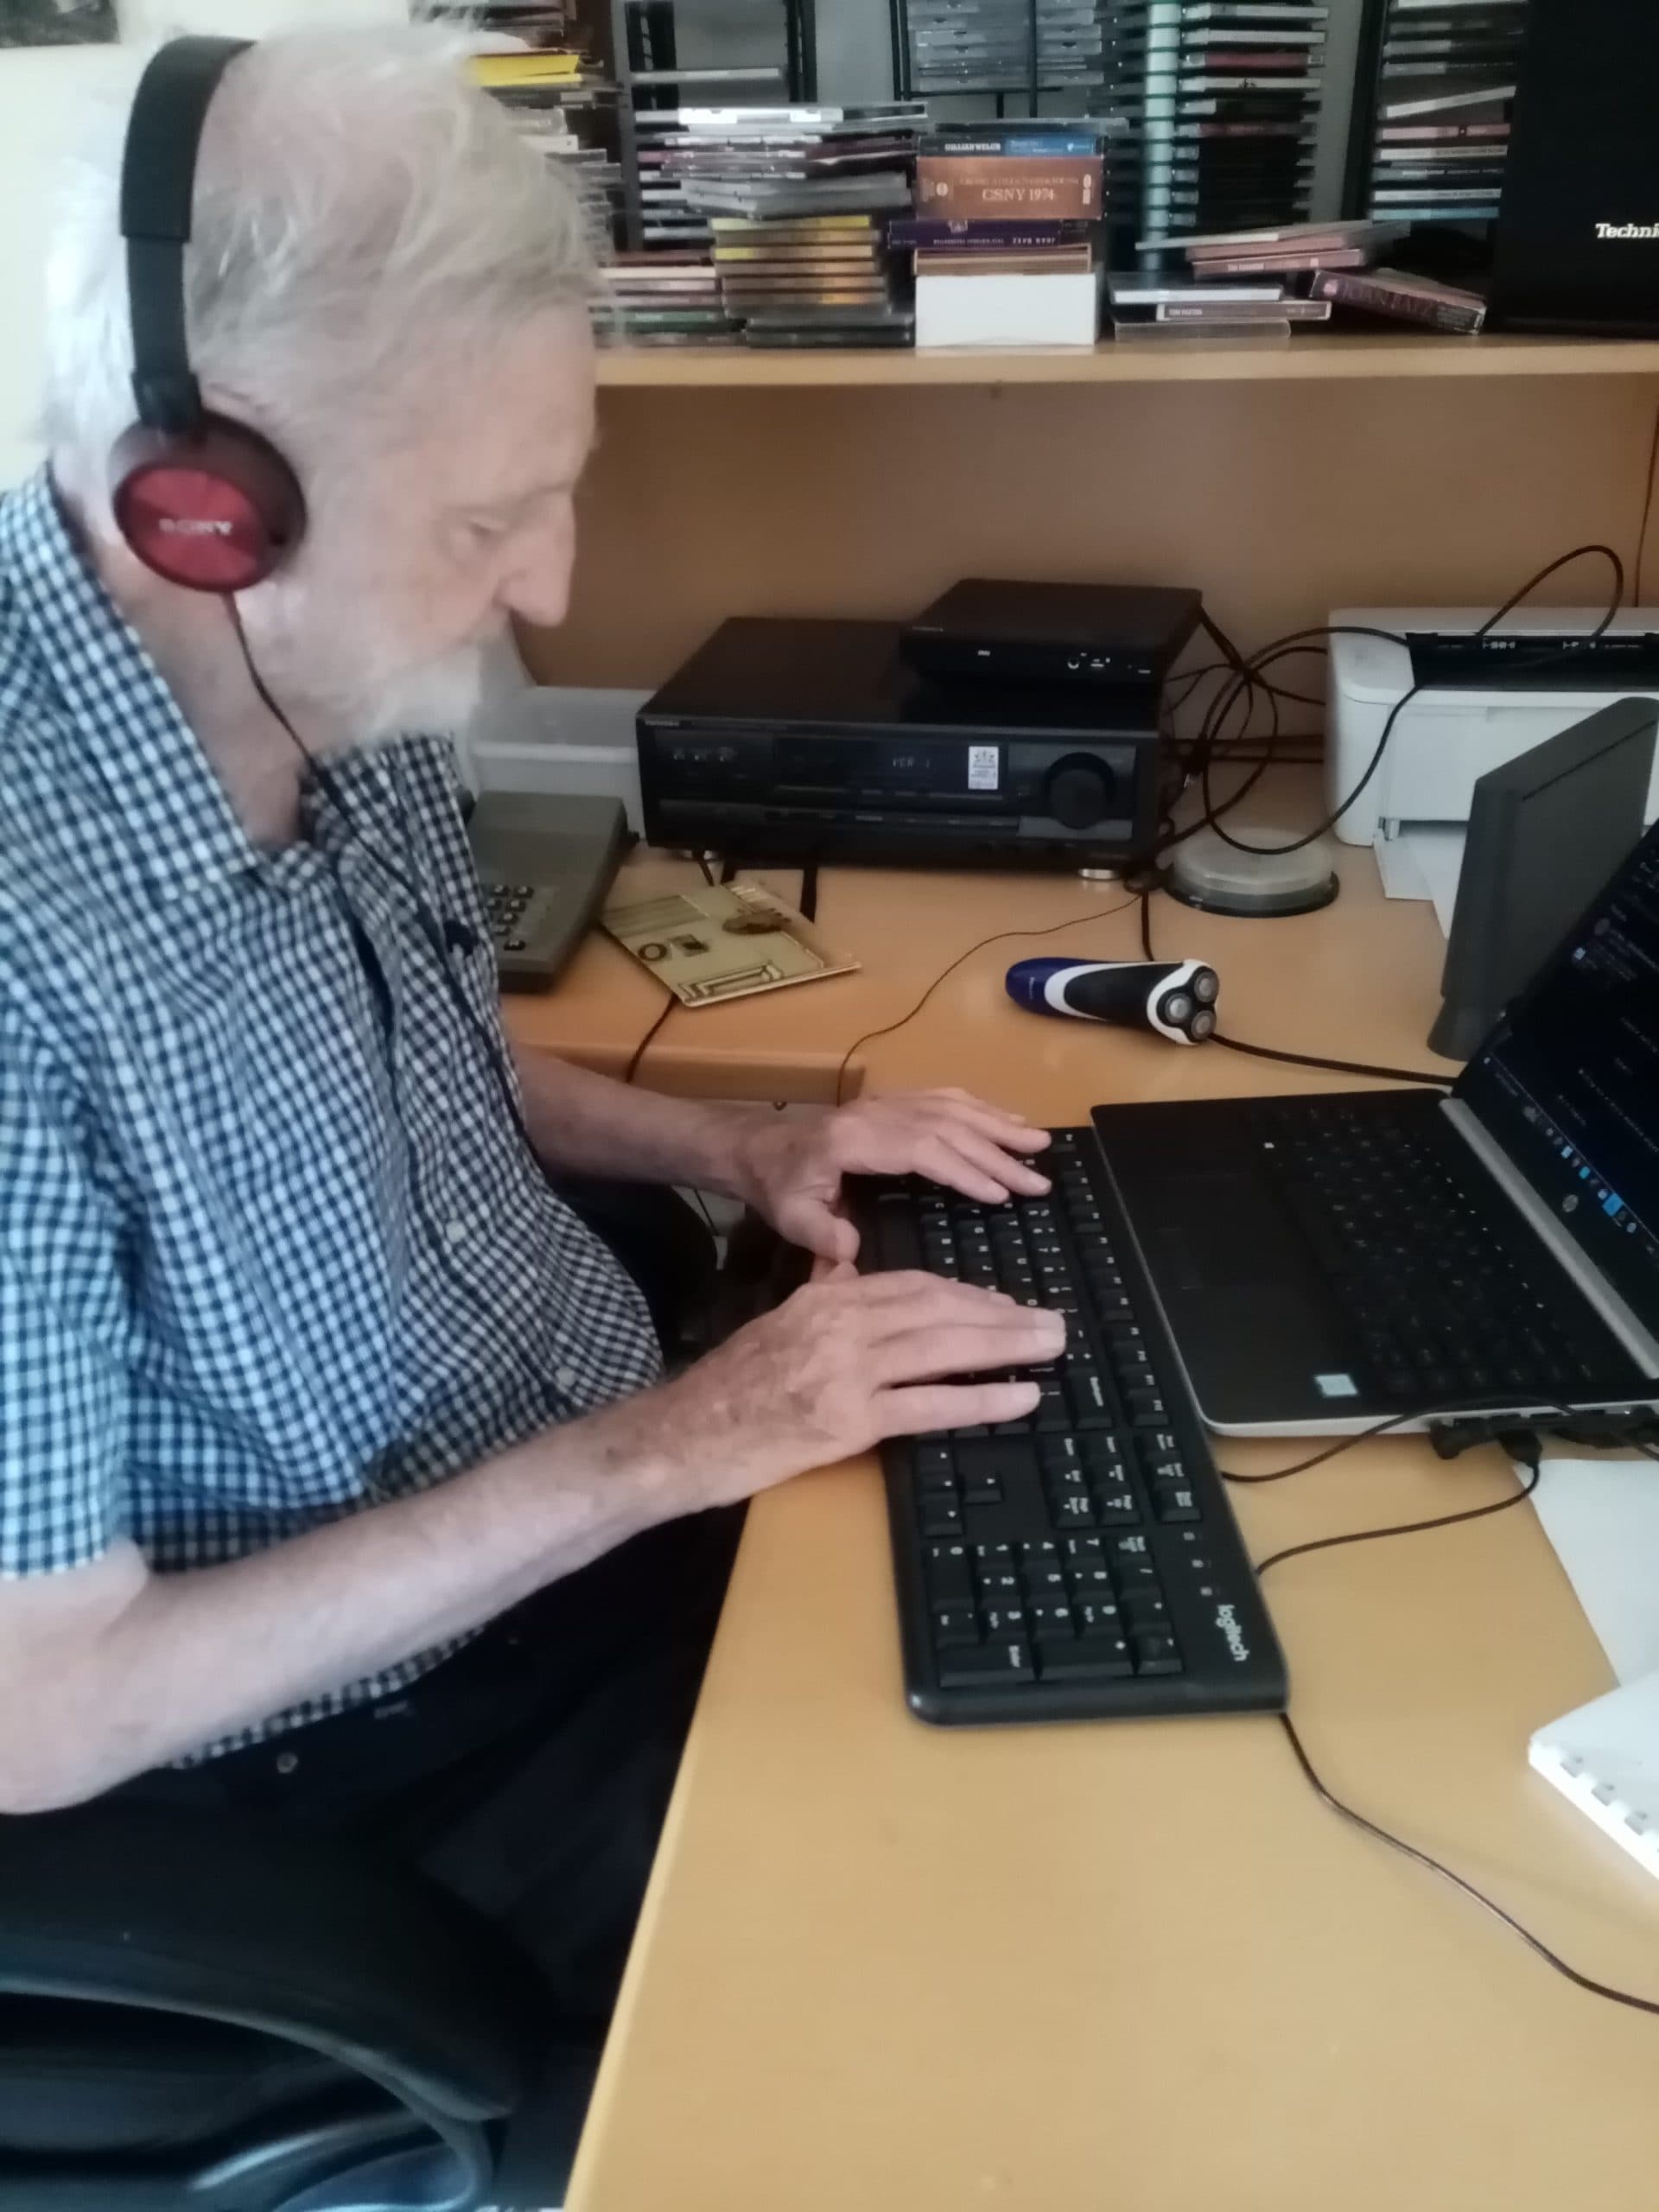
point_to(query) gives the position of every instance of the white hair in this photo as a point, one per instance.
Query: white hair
(366, 222)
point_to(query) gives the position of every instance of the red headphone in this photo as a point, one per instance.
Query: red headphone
(204, 501)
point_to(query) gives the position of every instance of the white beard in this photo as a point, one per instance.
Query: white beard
(356, 688)
(442, 698)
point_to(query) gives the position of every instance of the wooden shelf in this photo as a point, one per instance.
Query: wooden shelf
(1314, 356)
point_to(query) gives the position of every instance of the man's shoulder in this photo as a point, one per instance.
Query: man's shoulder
(52, 817)
(55, 807)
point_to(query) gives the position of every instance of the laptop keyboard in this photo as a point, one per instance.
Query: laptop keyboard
(1082, 1560)
(1446, 1299)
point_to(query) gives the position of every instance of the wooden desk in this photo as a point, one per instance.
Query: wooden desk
(1135, 1966)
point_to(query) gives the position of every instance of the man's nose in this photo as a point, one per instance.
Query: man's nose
(536, 586)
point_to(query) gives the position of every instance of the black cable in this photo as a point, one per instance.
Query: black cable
(438, 940)
(669, 1005)
(1333, 1451)
(1647, 514)
(1342, 1067)
(1520, 1436)
(708, 872)
(1451, 1418)
(1000, 937)
(1295, 1059)
(1252, 667)
(1525, 1448)
(430, 927)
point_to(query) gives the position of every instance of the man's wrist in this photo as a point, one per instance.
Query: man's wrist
(720, 1144)
(622, 1460)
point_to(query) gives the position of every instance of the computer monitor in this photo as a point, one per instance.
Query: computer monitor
(1546, 832)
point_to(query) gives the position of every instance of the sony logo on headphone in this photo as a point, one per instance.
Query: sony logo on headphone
(194, 526)
(1627, 229)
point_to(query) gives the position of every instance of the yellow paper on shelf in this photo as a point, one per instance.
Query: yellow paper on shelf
(514, 71)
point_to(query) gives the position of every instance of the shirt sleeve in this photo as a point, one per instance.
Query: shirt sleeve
(63, 1393)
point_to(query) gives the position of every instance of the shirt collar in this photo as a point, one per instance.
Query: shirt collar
(186, 833)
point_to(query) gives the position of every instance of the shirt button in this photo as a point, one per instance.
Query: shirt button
(287, 1762)
(565, 1378)
(454, 1234)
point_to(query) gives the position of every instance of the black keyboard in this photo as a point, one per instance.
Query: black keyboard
(1083, 1562)
(1445, 1293)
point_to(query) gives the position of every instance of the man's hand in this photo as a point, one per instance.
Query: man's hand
(790, 1165)
(843, 1365)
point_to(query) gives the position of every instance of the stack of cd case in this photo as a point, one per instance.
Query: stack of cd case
(1440, 138)
(1222, 101)
(1002, 46)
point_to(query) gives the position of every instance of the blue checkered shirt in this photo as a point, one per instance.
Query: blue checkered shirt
(271, 1252)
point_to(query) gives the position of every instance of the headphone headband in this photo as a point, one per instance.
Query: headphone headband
(158, 174)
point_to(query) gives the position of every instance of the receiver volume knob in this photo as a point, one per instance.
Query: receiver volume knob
(1080, 791)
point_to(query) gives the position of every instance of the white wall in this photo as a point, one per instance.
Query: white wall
(42, 91)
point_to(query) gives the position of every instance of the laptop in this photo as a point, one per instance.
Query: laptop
(544, 864)
(1326, 1262)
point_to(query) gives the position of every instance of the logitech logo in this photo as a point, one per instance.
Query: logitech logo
(1627, 229)
(1227, 1622)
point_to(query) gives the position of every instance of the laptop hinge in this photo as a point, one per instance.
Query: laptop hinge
(1643, 1348)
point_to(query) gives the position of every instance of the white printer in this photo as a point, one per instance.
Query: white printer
(1482, 701)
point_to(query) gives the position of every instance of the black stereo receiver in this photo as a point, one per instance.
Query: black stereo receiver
(790, 741)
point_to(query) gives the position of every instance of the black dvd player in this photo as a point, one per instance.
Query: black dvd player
(788, 741)
(1086, 636)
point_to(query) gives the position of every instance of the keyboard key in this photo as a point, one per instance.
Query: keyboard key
(1131, 1562)
(1144, 1608)
(1098, 1617)
(955, 1627)
(1009, 1659)
(1052, 1622)
(1094, 1585)
(949, 1576)
(1172, 1503)
(1002, 1620)
(1089, 1658)
(1088, 1402)
(939, 1514)
(1052, 1415)
(1083, 1553)
(1155, 1653)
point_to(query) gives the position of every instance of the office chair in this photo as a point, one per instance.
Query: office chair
(209, 2015)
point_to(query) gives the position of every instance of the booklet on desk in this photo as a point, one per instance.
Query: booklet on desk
(1604, 1759)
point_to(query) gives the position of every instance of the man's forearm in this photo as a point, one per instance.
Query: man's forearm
(592, 1125)
(174, 1661)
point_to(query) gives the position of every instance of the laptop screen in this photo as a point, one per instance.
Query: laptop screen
(1568, 1083)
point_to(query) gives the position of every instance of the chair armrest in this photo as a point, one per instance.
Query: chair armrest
(297, 1937)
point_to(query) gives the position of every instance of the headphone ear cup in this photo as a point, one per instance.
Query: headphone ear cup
(218, 510)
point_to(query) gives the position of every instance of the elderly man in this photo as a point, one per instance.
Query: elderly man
(339, 1481)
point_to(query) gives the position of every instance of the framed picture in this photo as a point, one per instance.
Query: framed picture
(56, 22)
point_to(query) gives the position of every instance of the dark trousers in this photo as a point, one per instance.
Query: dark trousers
(529, 1773)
